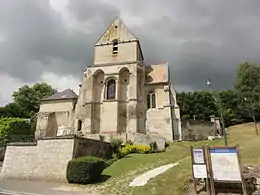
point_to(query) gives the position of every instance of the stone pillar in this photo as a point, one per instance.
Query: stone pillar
(132, 122)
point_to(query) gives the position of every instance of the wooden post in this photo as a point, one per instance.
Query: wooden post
(192, 162)
(207, 167)
(241, 172)
(212, 183)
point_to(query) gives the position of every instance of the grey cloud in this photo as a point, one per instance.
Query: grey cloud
(37, 40)
(200, 39)
(217, 36)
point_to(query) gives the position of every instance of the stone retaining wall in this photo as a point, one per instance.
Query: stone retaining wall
(47, 159)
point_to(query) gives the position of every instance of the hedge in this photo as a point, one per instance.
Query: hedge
(14, 129)
(84, 170)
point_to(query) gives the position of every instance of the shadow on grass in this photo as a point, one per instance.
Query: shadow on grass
(102, 179)
(229, 188)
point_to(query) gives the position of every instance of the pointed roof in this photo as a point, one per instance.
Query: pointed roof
(116, 30)
(66, 94)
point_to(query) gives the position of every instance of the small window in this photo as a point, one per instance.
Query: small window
(111, 89)
(115, 46)
(151, 100)
(79, 125)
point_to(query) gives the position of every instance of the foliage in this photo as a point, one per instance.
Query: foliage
(102, 137)
(85, 170)
(13, 110)
(14, 129)
(198, 104)
(154, 146)
(29, 98)
(131, 148)
(115, 145)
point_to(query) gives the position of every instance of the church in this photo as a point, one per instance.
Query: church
(119, 94)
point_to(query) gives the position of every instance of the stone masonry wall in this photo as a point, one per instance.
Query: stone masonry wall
(159, 122)
(47, 159)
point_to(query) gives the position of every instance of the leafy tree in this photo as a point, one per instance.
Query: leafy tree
(29, 98)
(199, 104)
(12, 110)
(248, 89)
(248, 79)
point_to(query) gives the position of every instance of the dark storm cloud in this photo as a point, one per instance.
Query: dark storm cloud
(36, 40)
(217, 36)
(199, 39)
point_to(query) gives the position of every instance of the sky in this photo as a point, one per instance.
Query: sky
(52, 40)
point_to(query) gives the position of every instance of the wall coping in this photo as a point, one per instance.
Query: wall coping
(22, 144)
(58, 137)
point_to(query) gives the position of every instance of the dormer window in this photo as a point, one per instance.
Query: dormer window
(115, 46)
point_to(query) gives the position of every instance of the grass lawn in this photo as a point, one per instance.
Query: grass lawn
(175, 179)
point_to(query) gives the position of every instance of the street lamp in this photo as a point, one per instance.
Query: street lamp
(252, 112)
(219, 107)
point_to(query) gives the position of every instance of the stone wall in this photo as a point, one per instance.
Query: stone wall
(198, 130)
(90, 147)
(159, 122)
(47, 159)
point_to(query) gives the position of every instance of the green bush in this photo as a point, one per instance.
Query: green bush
(15, 129)
(85, 170)
(116, 145)
(130, 149)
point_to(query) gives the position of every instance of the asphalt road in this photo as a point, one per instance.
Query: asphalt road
(21, 187)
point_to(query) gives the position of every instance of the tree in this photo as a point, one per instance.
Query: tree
(200, 104)
(29, 98)
(12, 110)
(248, 89)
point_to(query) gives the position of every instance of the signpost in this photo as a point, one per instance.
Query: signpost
(224, 164)
(199, 166)
(216, 165)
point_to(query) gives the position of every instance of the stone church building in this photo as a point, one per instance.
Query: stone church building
(119, 94)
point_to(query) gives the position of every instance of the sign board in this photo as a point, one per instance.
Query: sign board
(225, 164)
(199, 166)
(198, 156)
(200, 171)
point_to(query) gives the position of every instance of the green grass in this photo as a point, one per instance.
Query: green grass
(177, 178)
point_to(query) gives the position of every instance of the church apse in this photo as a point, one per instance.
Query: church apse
(122, 99)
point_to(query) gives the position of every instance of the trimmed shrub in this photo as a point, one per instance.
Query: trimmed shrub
(15, 129)
(85, 170)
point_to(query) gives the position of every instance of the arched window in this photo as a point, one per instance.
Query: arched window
(115, 46)
(79, 125)
(111, 89)
(151, 100)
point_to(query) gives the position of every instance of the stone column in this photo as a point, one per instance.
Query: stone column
(132, 122)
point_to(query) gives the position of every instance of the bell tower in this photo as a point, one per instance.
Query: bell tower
(117, 45)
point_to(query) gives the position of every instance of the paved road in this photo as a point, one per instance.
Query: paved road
(18, 187)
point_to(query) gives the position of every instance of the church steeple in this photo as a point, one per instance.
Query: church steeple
(117, 45)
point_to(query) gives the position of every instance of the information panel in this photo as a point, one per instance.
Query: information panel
(198, 156)
(225, 164)
(200, 171)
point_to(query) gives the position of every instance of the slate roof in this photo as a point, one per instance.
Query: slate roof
(66, 94)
